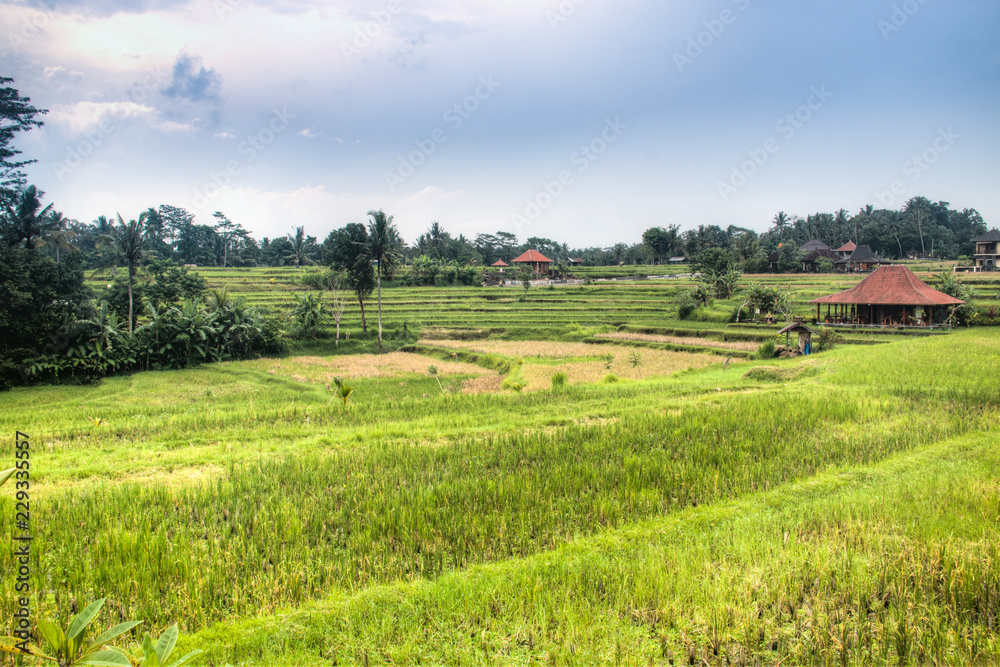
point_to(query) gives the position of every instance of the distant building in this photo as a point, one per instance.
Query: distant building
(810, 263)
(500, 264)
(574, 262)
(891, 296)
(862, 259)
(677, 260)
(846, 249)
(538, 262)
(987, 255)
(812, 246)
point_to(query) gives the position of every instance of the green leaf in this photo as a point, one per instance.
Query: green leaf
(84, 618)
(53, 635)
(166, 643)
(149, 652)
(6, 474)
(187, 658)
(116, 631)
(109, 657)
(9, 645)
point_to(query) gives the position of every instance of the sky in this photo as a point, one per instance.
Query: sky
(582, 121)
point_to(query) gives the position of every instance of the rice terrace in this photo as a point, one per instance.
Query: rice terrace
(540, 333)
(571, 477)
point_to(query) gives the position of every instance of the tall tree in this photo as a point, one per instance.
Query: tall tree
(347, 250)
(302, 247)
(780, 223)
(127, 242)
(26, 219)
(56, 232)
(16, 115)
(384, 243)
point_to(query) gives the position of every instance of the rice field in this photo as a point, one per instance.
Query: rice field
(698, 508)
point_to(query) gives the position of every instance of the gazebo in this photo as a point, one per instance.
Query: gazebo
(499, 264)
(538, 262)
(891, 296)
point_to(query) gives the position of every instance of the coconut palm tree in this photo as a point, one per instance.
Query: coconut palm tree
(892, 223)
(780, 223)
(127, 244)
(300, 249)
(384, 244)
(916, 208)
(26, 219)
(56, 232)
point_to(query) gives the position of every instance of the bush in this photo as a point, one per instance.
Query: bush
(610, 378)
(766, 350)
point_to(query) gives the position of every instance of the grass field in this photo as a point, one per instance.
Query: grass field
(672, 502)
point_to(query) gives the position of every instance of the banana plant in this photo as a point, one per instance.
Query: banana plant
(6, 474)
(68, 648)
(158, 654)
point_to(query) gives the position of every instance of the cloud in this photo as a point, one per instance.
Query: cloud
(191, 81)
(309, 133)
(62, 75)
(84, 116)
(224, 135)
(170, 126)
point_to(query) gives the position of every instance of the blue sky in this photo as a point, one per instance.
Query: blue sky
(579, 120)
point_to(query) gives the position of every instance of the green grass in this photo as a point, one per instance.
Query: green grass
(837, 508)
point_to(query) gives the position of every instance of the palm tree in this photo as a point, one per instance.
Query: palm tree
(892, 223)
(57, 233)
(127, 242)
(916, 208)
(841, 223)
(27, 218)
(300, 247)
(384, 244)
(780, 222)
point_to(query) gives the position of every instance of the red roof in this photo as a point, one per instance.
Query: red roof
(533, 257)
(891, 285)
(499, 262)
(850, 246)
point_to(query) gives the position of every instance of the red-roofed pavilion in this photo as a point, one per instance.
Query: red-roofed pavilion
(890, 296)
(500, 263)
(538, 262)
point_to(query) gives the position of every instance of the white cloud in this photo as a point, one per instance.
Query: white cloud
(172, 127)
(309, 133)
(62, 75)
(84, 116)
(224, 135)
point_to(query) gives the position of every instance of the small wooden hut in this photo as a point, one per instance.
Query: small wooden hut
(538, 262)
(805, 336)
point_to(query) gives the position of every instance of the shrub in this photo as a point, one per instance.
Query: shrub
(559, 380)
(766, 350)
(610, 378)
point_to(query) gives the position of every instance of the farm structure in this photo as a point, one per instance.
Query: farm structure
(862, 259)
(988, 251)
(805, 336)
(538, 262)
(845, 250)
(891, 296)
